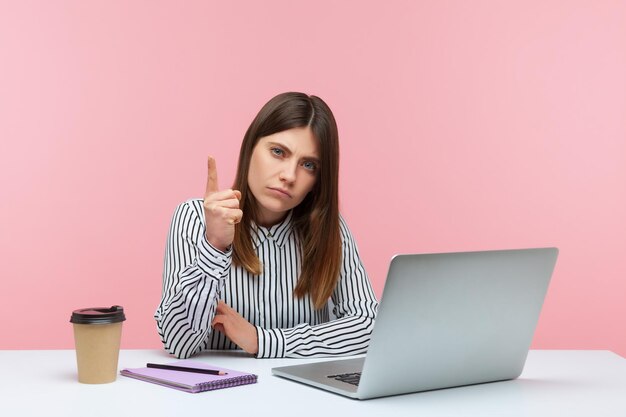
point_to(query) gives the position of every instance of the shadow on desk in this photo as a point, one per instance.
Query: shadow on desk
(492, 396)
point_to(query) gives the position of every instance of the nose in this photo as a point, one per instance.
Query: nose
(288, 173)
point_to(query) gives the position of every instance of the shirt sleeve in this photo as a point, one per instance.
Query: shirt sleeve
(193, 277)
(355, 307)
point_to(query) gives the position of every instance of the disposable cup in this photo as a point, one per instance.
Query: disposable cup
(97, 336)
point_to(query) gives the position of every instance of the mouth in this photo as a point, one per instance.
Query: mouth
(281, 191)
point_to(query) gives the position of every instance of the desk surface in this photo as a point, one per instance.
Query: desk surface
(554, 383)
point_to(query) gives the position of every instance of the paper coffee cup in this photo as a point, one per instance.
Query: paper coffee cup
(97, 335)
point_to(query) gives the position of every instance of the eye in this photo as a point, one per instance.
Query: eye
(277, 151)
(309, 166)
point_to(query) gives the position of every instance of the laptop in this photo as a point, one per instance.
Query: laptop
(445, 320)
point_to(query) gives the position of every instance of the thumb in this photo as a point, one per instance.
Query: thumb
(218, 321)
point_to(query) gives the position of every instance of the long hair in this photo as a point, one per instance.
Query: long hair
(316, 218)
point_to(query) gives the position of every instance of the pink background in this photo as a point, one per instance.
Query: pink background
(464, 126)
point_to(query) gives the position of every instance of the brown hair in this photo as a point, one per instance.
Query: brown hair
(316, 218)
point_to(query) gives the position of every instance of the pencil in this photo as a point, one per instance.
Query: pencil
(186, 369)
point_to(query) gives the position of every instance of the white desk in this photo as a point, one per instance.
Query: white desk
(554, 383)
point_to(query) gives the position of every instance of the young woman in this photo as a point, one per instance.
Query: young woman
(254, 267)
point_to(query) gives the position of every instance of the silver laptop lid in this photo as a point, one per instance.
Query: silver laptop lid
(454, 319)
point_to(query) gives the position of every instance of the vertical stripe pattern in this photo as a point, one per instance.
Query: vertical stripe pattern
(196, 276)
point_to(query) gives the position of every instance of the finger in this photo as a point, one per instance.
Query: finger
(236, 216)
(224, 308)
(218, 324)
(233, 203)
(228, 215)
(237, 194)
(220, 307)
(211, 183)
(221, 195)
(214, 200)
(219, 319)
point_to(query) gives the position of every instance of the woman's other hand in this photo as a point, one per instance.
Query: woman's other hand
(235, 327)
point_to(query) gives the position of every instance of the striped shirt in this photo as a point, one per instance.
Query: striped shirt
(196, 275)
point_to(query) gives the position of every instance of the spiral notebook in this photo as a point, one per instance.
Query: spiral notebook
(189, 381)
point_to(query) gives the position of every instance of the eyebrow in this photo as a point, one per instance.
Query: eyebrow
(289, 151)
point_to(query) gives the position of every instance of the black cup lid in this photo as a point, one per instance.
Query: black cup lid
(98, 315)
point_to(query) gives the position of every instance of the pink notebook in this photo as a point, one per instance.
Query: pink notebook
(189, 381)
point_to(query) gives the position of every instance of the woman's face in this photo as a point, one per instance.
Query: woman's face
(283, 170)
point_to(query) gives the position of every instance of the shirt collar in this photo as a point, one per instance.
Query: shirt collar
(279, 232)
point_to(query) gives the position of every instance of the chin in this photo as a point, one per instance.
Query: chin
(275, 207)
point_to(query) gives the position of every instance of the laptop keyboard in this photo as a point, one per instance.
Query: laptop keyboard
(351, 378)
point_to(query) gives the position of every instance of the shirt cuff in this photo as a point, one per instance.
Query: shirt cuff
(212, 261)
(271, 343)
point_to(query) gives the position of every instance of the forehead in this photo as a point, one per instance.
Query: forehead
(299, 141)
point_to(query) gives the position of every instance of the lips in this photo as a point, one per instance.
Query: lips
(280, 190)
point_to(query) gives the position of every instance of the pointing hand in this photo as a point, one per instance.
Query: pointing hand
(221, 211)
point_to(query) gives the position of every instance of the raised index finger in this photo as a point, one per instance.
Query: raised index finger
(211, 182)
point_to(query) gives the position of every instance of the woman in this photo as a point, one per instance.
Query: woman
(255, 266)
